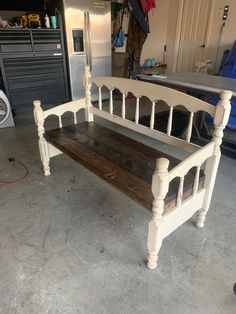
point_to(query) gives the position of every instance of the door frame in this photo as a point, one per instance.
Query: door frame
(178, 31)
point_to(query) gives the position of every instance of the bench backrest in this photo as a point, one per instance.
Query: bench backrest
(154, 93)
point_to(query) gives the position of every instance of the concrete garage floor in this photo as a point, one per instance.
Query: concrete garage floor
(71, 243)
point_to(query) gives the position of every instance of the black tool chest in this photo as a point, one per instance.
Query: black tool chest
(33, 66)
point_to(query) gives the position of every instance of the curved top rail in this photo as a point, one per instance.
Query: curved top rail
(154, 93)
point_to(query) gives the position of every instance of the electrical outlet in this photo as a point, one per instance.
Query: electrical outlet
(225, 13)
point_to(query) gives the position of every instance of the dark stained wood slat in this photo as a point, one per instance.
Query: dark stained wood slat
(125, 143)
(119, 160)
(130, 162)
(131, 185)
(135, 152)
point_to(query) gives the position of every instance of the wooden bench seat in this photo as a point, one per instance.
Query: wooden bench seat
(119, 160)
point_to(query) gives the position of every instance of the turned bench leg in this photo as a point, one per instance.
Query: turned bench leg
(160, 186)
(220, 121)
(43, 144)
(44, 155)
(201, 217)
(210, 177)
(154, 243)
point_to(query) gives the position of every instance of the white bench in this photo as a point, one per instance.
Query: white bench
(134, 168)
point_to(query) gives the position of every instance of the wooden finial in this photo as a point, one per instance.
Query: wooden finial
(221, 117)
(37, 103)
(38, 115)
(225, 95)
(223, 109)
(160, 177)
(162, 165)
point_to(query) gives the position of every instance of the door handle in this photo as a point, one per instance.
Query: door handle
(202, 46)
(89, 41)
(85, 36)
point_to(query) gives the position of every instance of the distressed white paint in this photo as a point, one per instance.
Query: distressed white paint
(153, 92)
(123, 106)
(60, 122)
(169, 125)
(178, 215)
(88, 86)
(43, 144)
(152, 118)
(160, 186)
(72, 106)
(137, 111)
(100, 98)
(75, 118)
(196, 180)
(180, 191)
(192, 161)
(190, 127)
(53, 151)
(111, 102)
(174, 141)
(161, 223)
(220, 121)
(46, 149)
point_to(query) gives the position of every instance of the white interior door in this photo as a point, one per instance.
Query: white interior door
(194, 28)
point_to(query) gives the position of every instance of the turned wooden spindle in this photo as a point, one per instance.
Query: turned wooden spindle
(190, 127)
(169, 125)
(100, 97)
(111, 101)
(123, 108)
(160, 186)
(137, 111)
(152, 117)
(221, 118)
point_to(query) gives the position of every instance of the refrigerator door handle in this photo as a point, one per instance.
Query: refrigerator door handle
(85, 37)
(89, 41)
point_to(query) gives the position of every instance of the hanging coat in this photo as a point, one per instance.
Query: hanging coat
(139, 16)
(147, 5)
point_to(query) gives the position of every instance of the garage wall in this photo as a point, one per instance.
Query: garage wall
(171, 32)
(163, 22)
(229, 31)
(158, 22)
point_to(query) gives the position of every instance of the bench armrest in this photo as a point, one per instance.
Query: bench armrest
(73, 106)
